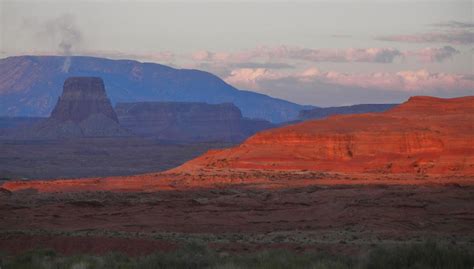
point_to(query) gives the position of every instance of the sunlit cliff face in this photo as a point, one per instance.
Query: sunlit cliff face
(423, 135)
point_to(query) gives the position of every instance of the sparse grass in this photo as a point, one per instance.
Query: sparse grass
(416, 256)
(428, 255)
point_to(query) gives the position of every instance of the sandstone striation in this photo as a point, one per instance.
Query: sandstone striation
(83, 97)
(188, 122)
(423, 135)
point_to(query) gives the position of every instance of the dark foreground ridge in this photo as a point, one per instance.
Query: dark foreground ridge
(423, 255)
(222, 223)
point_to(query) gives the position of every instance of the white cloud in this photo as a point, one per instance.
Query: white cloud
(419, 80)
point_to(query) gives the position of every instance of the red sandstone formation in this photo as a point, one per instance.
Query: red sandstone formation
(423, 135)
(269, 205)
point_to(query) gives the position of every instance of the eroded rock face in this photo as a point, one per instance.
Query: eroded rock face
(83, 110)
(81, 98)
(188, 122)
(423, 135)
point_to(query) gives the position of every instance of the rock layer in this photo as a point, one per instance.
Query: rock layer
(83, 110)
(188, 122)
(83, 97)
(423, 135)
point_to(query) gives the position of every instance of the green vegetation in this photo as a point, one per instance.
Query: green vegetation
(416, 256)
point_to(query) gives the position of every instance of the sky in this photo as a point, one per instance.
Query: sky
(321, 53)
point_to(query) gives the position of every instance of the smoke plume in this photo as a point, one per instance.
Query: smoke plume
(66, 34)
(69, 35)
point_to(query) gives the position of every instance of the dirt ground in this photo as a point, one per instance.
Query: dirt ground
(93, 157)
(341, 216)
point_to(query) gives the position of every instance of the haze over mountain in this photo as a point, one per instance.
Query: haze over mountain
(188, 122)
(30, 85)
(323, 112)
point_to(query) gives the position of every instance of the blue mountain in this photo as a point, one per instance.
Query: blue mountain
(31, 85)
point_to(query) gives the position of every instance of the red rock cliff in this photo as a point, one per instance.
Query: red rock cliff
(422, 135)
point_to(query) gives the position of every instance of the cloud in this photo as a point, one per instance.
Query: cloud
(69, 35)
(451, 32)
(403, 80)
(224, 69)
(262, 65)
(379, 55)
(420, 80)
(272, 57)
(249, 78)
(202, 55)
(372, 55)
(68, 39)
(454, 24)
(63, 31)
(376, 55)
(235, 57)
(430, 55)
(157, 56)
(462, 37)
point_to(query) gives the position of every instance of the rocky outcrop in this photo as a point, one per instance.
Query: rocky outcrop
(323, 112)
(435, 107)
(188, 122)
(423, 135)
(83, 97)
(83, 110)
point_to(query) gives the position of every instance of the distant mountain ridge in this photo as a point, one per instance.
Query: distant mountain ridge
(323, 112)
(30, 86)
(84, 110)
(188, 122)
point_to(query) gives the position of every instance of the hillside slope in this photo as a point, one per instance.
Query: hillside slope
(422, 135)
